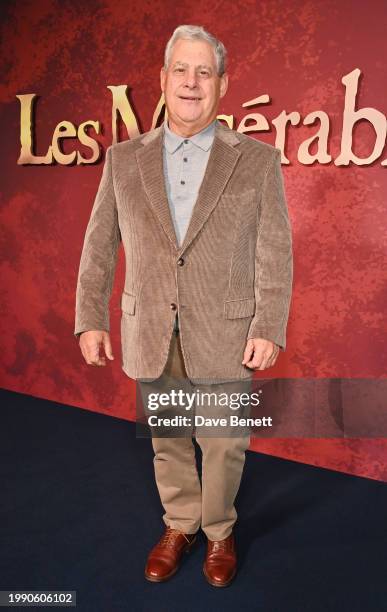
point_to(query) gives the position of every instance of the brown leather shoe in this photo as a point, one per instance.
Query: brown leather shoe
(164, 558)
(221, 563)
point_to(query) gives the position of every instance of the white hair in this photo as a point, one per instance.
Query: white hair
(193, 32)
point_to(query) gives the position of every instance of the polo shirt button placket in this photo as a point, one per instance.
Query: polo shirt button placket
(185, 142)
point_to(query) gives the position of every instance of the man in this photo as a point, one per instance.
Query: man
(201, 213)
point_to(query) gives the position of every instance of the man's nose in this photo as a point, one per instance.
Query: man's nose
(191, 79)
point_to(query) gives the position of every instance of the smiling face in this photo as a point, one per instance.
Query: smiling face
(191, 86)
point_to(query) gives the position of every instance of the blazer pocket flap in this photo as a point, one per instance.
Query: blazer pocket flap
(128, 303)
(238, 309)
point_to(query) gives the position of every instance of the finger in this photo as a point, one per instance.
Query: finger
(256, 361)
(273, 357)
(99, 361)
(264, 362)
(93, 356)
(273, 360)
(270, 362)
(268, 356)
(108, 347)
(248, 352)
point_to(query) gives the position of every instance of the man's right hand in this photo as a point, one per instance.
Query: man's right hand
(91, 342)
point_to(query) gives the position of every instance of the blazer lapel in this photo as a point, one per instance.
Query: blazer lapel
(221, 163)
(150, 163)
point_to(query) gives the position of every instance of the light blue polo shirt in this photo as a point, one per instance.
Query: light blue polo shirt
(184, 162)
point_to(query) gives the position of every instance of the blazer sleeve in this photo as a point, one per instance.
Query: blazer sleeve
(273, 259)
(98, 258)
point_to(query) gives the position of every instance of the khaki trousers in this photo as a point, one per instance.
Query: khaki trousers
(189, 504)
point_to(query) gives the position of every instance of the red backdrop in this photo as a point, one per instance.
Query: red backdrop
(68, 54)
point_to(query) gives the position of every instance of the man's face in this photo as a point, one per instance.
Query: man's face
(191, 86)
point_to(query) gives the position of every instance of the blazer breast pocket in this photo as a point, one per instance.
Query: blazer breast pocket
(128, 303)
(239, 198)
(239, 309)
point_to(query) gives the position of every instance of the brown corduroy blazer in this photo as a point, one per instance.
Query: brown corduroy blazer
(230, 280)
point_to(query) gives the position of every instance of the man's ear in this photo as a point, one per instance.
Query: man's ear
(223, 84)
(162, 78)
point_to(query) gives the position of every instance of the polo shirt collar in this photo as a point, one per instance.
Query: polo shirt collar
(202, 139)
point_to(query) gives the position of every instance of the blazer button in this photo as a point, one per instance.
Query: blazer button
(180, 261)
(173, 306)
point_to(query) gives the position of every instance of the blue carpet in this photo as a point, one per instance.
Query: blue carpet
(80, 511)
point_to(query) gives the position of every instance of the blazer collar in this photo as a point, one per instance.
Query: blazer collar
(222, 160)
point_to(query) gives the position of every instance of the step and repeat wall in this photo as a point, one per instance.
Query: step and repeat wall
(307, 77)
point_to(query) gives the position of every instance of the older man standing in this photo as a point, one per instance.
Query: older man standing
(207, 237)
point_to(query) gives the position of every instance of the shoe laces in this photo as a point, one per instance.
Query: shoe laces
(221, 545)
(170, 536)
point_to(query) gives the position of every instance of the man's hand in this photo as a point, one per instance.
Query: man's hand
(90, 343)
(260, 354)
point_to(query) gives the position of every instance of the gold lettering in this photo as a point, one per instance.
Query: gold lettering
(321, 137)
(64, 129)
(252, 122)
(89, 142)
(351, 117)
(280, 124)
(122, 108)
(26, 133)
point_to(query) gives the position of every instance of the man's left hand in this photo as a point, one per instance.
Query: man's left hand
(260, 354)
